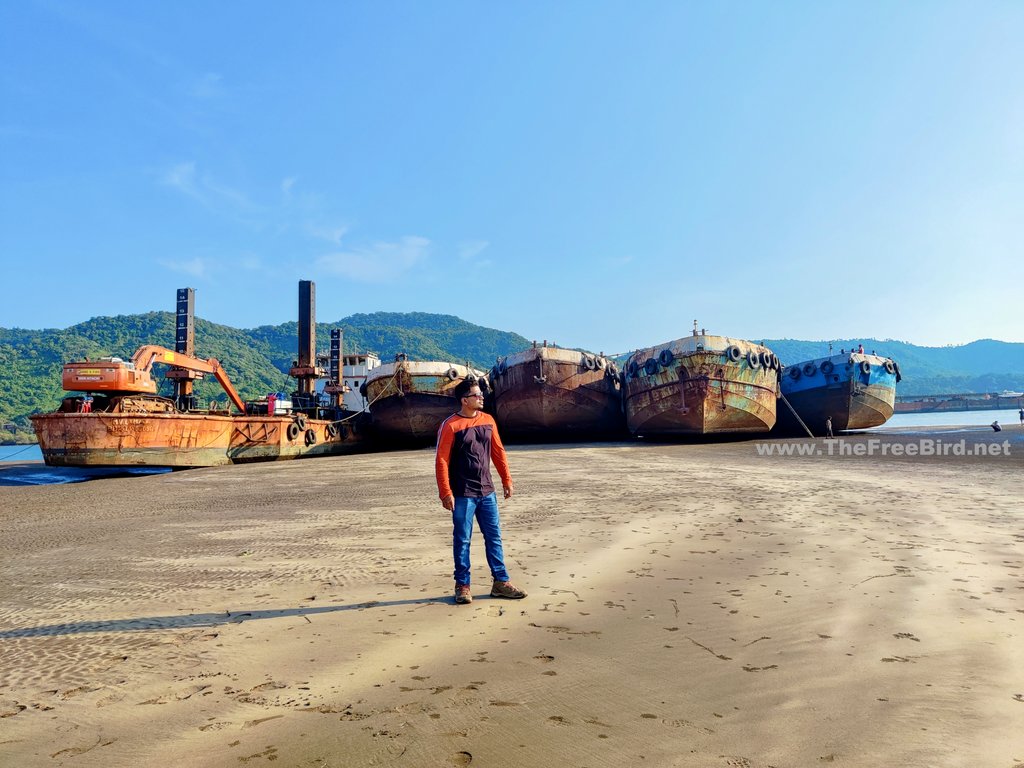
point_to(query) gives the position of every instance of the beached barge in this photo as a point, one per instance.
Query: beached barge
(855, 390)
(127, 436)
(700, 385)
(113, 415)
(549, 393)
(408, 399)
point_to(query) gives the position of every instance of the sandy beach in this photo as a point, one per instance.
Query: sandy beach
(690, 605)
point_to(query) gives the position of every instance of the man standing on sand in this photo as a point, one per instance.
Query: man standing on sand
(828, 427)
(1021, 414)
(467, 443)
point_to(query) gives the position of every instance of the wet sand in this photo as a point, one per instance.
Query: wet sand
(690, 605)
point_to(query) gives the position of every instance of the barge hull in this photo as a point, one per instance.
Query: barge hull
(547, 398)
(857, 392)
(693, 386)
(181, 440)
(849, 408)
(409, 399)
(702, 407)
(412, 418)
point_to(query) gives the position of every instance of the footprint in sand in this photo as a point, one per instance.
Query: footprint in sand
(113, 698)
(183, 695)
(688, 724)
(10, 708)
(273, 685)
(75, 751)
(254, 723)
(462, 758)
(72, 692)
(214, 726)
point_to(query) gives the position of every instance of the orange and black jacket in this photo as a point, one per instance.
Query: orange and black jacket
(465, 449)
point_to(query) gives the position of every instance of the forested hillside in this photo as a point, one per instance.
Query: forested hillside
(257, 359)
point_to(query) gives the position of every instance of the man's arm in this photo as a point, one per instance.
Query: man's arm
(445, 439)
(501, 461)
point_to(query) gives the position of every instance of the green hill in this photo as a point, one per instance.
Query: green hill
(257, 359)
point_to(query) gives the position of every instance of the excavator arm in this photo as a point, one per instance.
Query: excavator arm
(150, 354)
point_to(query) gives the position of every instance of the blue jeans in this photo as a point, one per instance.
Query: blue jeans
(485, 509)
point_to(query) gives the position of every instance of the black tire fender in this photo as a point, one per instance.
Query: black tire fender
(810, 369)
(794, 372)
(753, 360)
(734, 353)
(666, 358)
(293, 431)
(865, 367)
(651, 366)
(827, 367)
(300, 421)
(331, 431)
(890, 367)
(632, 369)
(452, 374)
(310, 437)
(766, 360)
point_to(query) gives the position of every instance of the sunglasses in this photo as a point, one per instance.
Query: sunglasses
(474, 394)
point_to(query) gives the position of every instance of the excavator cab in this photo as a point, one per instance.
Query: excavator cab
(108, 374)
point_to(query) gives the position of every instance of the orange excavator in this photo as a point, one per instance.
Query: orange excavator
(114, 375)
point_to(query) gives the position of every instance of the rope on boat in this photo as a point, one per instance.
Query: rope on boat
(384, 389)
(782, 397)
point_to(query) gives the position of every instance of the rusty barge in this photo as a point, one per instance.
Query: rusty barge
(970, 401)
(855, 390)
(113, 415)
(700, 385)
(408, 399)
(550, 393)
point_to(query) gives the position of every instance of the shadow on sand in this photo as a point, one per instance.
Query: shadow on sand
(37, 473)
(196, 620)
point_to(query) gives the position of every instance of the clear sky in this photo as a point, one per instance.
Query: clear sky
(599, 174)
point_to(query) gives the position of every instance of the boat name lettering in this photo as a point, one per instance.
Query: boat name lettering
(124, 426)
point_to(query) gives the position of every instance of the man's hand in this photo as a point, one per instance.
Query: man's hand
(448, 502)
(508, 491)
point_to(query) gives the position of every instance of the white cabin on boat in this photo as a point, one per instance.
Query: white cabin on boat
(354, 369)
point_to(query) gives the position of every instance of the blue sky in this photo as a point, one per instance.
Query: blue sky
(598, 174)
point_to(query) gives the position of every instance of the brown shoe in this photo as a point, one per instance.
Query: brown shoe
(507, 589)
(462, 594)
